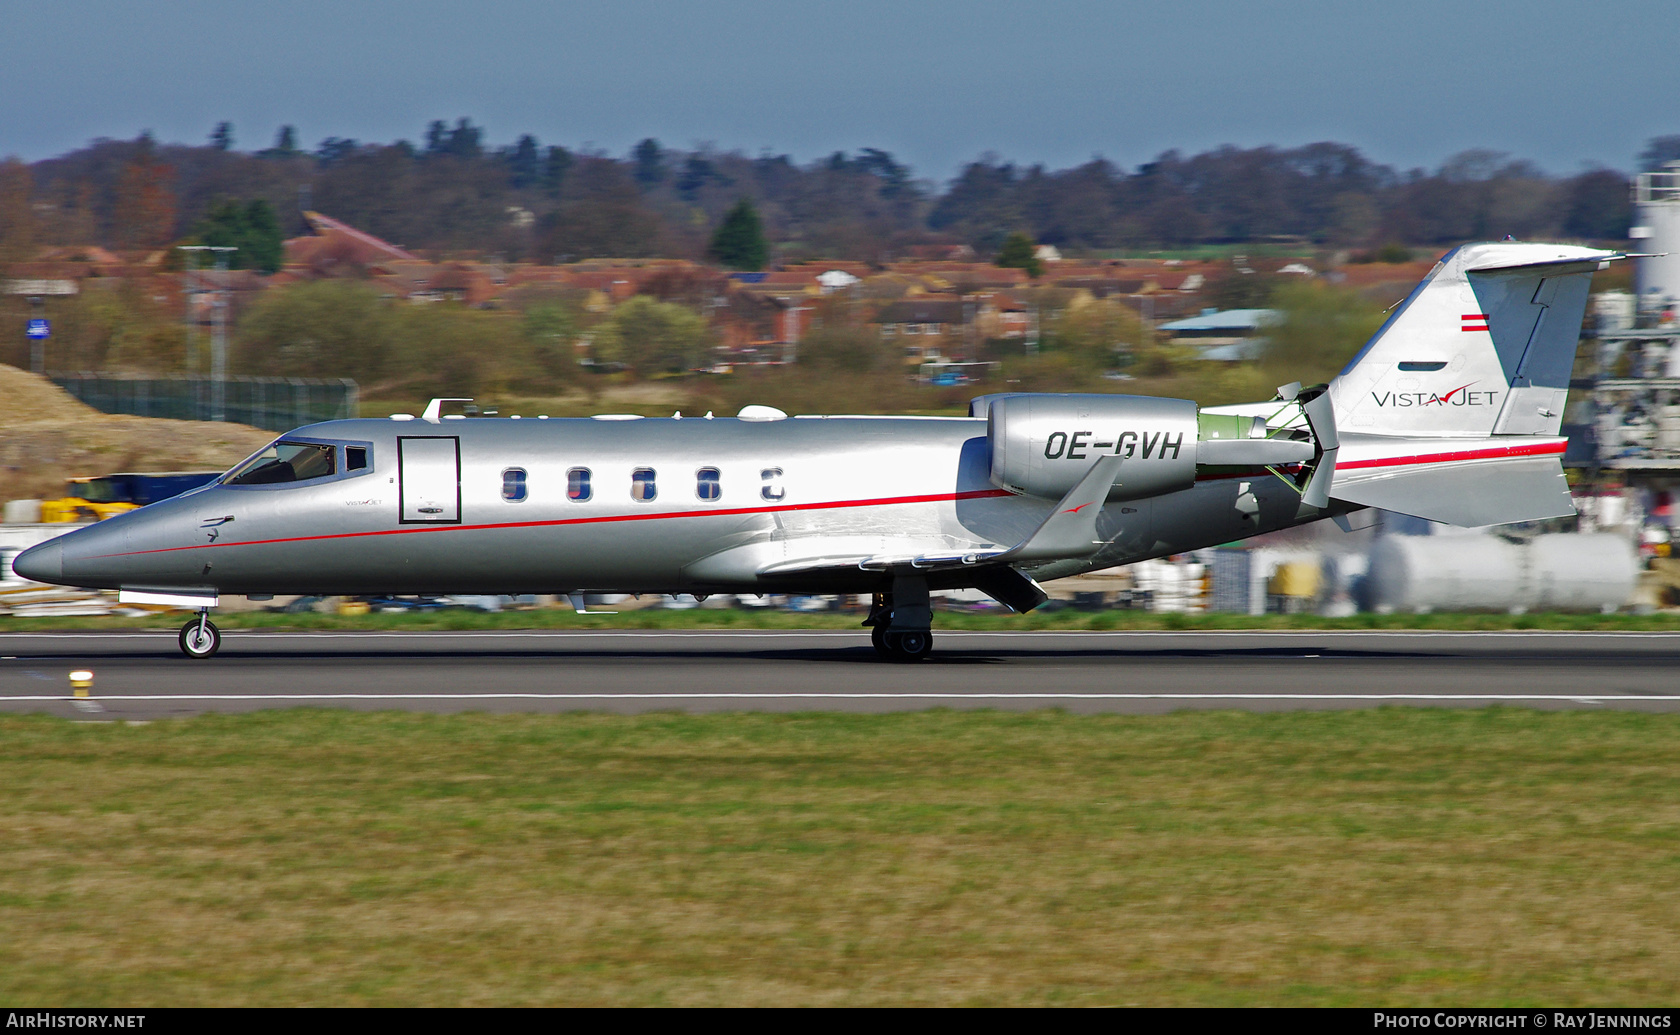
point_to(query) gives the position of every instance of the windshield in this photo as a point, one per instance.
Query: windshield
(285, 462)
(94, 490)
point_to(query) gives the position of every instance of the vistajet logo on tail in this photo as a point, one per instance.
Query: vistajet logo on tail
(1460, 396)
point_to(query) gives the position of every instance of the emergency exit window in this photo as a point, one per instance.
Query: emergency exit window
(708, 483)
(642, 489)
(513, 484)
(577, 485)
(355, 458)
(772, 489)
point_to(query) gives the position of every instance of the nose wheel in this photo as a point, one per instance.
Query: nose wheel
(200, 638)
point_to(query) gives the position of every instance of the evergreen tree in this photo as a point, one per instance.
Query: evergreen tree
(1659, 151)
(285, 142)
(739, 242)
(555, 167)
(334, 150)
(436, 132)
(696, 171)
(1017, 253)
(222, 138)
(650, 162)
(264, 241)
(464, 139)
(252, 228)
(523, 162)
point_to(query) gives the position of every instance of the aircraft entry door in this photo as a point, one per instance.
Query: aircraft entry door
(430, 479)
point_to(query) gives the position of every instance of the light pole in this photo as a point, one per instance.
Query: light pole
(218, 329)
(39, 328)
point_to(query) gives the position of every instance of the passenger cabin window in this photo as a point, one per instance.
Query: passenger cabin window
(355, 458)
(772, 489)
(513, 484)
(642, 489)
(286, 462)
(577, 485)
(708, 485)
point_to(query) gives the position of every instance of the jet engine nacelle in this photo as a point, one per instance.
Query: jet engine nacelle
(1043, 444)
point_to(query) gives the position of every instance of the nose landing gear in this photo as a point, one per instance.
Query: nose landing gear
(199, 638)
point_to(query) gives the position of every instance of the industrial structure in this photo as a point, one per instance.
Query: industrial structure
(1624, 418)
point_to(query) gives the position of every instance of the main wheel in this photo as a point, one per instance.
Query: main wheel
(910, 644)
(878, 637)
(200, 639)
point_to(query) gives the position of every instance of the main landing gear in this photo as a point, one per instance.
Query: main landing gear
(200, 638)
(902, 645)
(901, 621)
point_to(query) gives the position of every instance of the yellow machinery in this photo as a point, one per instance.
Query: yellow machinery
(97, 498)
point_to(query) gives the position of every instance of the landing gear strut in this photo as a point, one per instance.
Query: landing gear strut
(200, 638)
(900, 622)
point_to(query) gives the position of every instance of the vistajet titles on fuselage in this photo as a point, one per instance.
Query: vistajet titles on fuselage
(1450, 412)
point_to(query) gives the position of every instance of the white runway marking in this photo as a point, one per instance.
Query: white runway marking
(940, 634)
(849, 696)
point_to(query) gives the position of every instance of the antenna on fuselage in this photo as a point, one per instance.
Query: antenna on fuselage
(582, 608)
(434, 409)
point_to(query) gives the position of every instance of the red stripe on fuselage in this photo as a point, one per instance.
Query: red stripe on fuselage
(943, 497)
(1533, 449)
(1493, 453)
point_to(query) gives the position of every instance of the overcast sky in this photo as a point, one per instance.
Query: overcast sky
(1561, 82)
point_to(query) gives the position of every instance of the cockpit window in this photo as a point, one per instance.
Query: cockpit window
(285, 462)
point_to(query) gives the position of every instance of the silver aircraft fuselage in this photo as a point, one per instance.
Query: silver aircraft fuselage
(697, 505)
(1450, 412)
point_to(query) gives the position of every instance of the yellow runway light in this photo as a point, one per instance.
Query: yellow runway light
(80, 680)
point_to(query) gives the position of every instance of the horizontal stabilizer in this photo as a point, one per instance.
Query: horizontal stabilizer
(1493, 492)
(1552, 267)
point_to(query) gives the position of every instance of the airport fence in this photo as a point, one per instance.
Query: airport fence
(271, 403)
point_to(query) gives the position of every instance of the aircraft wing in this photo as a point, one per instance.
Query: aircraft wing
(1069, 531)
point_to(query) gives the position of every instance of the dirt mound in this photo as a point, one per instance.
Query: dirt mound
(27, 398)
(46, 437)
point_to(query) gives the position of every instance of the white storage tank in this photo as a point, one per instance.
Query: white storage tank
(22, 512)
(1486, 573)
(1446, 573)
(1582, 572)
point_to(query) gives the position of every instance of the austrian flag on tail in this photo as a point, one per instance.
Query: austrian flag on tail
(1475, 321)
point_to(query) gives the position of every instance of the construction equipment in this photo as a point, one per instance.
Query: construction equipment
(96, 498)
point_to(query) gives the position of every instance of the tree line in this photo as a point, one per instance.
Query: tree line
(527, 201)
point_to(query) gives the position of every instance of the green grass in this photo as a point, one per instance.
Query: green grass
(1400, 856)
(742, 618)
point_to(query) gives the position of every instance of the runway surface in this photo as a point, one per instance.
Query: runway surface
(142, 675)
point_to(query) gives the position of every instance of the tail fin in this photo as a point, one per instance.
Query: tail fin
(1482, 346)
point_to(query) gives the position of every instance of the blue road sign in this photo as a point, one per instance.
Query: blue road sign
(39, 329)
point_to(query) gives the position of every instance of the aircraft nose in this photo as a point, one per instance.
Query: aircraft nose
(43, 562)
